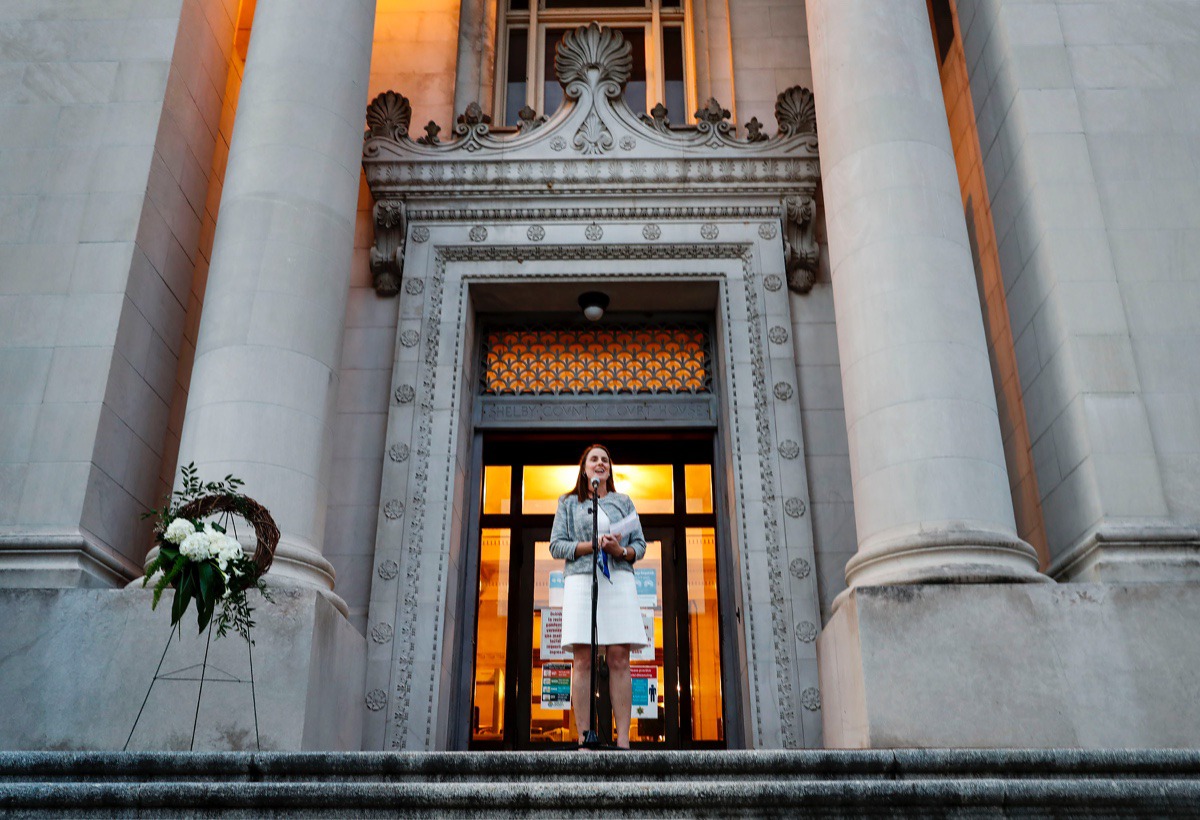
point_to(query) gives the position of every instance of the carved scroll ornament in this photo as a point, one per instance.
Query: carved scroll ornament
(800, 251)
(387, 254)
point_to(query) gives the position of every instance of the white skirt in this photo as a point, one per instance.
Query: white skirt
(618, 617)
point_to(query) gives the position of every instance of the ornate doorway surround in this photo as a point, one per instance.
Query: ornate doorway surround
(592, 196)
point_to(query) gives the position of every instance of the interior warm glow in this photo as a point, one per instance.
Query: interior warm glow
(697, 481)
(491, 643)
(497, 490)
(594, 361)
(649, 485)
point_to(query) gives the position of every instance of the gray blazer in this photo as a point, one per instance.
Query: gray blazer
(573, 523)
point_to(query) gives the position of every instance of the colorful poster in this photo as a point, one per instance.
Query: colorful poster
(645, 691)
(646, 653)
(557, 584)
(646, 579)
(551, 648)
(556, 686)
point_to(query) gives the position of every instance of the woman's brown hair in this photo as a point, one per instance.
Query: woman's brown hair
(582, 488)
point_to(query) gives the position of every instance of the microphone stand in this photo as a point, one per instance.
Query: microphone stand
(592, 739)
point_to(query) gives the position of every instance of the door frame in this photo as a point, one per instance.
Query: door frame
(728, 609)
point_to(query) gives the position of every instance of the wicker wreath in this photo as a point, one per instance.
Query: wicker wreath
(256, 514)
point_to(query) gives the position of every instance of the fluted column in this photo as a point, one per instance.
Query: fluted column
(931, 490)
(264, 383)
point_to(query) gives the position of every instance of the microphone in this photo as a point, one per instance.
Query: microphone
(595, 484)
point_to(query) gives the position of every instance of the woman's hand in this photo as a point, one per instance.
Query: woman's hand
(612, 545)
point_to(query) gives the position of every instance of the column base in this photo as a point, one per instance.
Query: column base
(1012, 665)
(61, 560)
(1132, 553)
(947, 556)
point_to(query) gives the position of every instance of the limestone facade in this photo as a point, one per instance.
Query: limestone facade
(949, 270)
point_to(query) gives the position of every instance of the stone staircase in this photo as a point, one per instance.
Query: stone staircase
(937, 783)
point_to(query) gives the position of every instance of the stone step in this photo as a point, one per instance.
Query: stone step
(989, 783)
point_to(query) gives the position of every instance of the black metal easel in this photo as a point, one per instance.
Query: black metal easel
(186, 673)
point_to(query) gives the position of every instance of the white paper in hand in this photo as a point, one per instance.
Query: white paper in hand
(625, 526)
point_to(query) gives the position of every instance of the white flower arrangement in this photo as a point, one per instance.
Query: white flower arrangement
(202, 561)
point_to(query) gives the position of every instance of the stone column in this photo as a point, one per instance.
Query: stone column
(931, 491)
(264, 382)
(476, 56)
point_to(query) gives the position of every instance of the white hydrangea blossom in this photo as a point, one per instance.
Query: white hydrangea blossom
(195, 547)
(179, 529)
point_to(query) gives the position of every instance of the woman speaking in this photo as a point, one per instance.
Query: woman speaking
(618, 617)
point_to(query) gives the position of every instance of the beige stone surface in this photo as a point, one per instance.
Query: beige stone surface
(81, 663)
(1022, 665)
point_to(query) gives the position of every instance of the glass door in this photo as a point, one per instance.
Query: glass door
(521, 697)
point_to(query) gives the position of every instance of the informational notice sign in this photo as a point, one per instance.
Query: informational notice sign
(556, 686)
(551, 649)
(646, 653)
(645, 691)
(557, 582)
(646, 579)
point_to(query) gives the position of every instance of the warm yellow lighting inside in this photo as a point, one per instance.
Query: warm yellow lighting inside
(697, 480)
(649, 485)
(497, 490)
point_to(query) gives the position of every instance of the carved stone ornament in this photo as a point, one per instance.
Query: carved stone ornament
(398, 452)
(388, 116)
(768, 230)
(528, 119)
(778, 334)
(432, 129)
(800, 250)
(420, 234)
(410, 338)
(810, 699)
(478, 233)
(709, 230)
(536, 233)
(796, 112)
(387, 570)
(806, 631)
(376, 699)
(593, 232)
(382, 633)
(405, 394)
(413, 286)
(800, 568)
(593, 143)
(789, 449)
(387, 254)
(783, 391)
(393, 509)
(651, 232)
(794, 507)
(772, 282)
